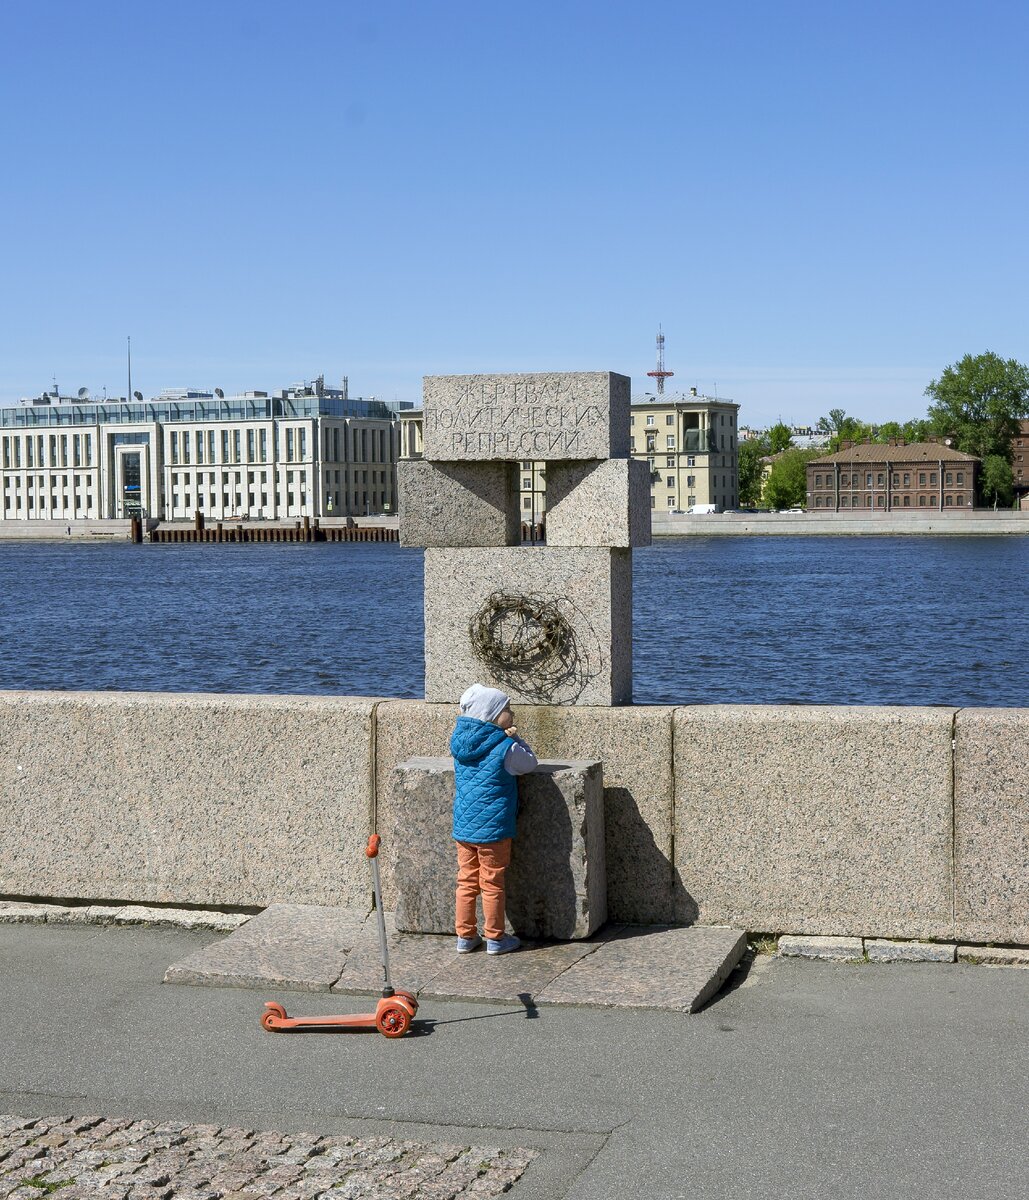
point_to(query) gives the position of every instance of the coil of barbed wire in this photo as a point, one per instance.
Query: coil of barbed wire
(527, 640)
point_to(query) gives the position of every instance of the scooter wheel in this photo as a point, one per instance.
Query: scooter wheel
(393, 1022)
(272, 1013)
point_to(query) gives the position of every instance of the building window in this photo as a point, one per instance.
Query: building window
(670, 442)
(671, 502)
(907, 501)
(880, 479)
(844, 480)
(670, 481)
(950, 478)
(948, 501)
(880, 502)
(818, 481)
(932, 479)
(632, 446)
(921, 479)
(526, 502)
(896, 479)
(961, 499)
(691, 460)
(691, 481)
(669, 419)
(650, 420)
(844, 502)
(961, 477)
(921, 502)
(251, 456)
(868, 479)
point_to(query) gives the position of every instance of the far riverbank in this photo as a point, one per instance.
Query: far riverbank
(961, 522)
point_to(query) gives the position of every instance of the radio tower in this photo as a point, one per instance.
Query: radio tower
(660, 374)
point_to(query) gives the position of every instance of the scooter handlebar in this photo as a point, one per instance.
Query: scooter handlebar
(372, 849)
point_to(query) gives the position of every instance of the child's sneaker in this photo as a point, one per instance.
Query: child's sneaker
(467, 945)
(502, 945)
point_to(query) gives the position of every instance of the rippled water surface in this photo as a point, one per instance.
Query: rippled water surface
(917, 620)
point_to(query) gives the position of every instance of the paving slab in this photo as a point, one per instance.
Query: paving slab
(886, 950)
(522, 974)
(662, 967)
(414, 959)
(303, 947)
(312, 948)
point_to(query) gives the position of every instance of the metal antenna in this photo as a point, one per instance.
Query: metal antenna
(128, 395)
(660, 374)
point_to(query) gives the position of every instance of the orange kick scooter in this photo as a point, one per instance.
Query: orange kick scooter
(394, 1012)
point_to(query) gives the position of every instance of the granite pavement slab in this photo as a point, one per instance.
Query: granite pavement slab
(523, 974)
(413, 958)
(677, 968)
(299, 946)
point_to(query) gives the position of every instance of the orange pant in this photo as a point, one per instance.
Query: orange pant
(482, 869)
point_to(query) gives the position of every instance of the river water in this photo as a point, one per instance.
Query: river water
(777, 620)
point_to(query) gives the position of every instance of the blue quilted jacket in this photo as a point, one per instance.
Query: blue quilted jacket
(486, 795)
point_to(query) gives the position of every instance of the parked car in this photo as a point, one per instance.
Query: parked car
(696, 510)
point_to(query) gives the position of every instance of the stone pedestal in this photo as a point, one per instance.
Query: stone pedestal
(547, 626)
(556, 884)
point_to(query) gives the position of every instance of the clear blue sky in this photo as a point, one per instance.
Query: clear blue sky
(823, 204)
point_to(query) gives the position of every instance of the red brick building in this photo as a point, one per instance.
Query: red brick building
(930, 476)
(1020, 464)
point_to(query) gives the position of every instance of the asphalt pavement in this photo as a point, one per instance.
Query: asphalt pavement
(802, 1079)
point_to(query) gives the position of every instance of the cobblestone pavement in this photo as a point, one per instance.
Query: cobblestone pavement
(120, 1159)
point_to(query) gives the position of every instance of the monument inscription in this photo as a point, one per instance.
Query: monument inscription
(540, 417)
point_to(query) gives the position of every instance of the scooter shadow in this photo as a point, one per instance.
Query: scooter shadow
(424, 1027)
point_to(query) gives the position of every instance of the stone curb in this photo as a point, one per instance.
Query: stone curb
(856, 950)
(13, 912)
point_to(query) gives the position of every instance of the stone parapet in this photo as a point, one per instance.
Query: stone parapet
(188, 799)
(806, 820)
(816, 819)
(991, 824)
(555, 415)
(556, 883)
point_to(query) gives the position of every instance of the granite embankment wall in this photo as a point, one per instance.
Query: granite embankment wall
(896, 822)
(960, 522)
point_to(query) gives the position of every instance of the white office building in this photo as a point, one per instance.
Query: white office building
(306, 450)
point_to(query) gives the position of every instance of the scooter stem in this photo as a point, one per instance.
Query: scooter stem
(381, 919)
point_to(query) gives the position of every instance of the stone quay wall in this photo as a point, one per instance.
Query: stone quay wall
(859, 821)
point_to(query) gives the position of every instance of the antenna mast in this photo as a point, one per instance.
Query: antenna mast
(128, 343)
(660, 374)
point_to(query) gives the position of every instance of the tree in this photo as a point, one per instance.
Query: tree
(787, 483)
(749, 470)
(833, 423)
(997, 483)
(780, 437)
(980, 401)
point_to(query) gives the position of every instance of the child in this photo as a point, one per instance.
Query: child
(488, 755)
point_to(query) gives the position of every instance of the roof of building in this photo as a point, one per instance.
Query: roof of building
(877, 452)
(678, 399)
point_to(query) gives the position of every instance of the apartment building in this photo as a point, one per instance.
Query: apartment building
(305, 450)
(690, 443)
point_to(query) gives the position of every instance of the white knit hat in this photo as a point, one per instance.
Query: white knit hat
(483, 703)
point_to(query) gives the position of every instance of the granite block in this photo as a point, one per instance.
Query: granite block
(215, 801)
(598, 504)
(815, 819)
(556, 883)
(295, 946)
(14, 912)
(884, 950)
(569, 610)
(835, 949)
(635, 745)
(543, 417)
(991, 824)
(667, 968)
(458, 504)
(995, 956)
(521, 975)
